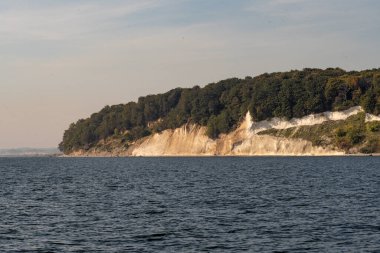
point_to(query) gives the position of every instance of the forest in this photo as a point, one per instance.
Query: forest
(221, 106)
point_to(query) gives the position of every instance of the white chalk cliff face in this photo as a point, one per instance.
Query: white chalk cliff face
(191, 140)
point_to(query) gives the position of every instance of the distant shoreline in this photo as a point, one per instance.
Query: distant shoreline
(31, 155)
(27, 152)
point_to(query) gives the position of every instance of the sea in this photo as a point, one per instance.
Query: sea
(198, 204)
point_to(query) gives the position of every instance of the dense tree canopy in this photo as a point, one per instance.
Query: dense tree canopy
(220, 106)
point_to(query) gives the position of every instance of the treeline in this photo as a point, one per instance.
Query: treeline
(220, 106)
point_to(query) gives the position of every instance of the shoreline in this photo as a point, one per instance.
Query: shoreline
(218, 156)
(188, 156)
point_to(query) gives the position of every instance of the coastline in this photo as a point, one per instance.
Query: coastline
(218, 156)
(191, 140)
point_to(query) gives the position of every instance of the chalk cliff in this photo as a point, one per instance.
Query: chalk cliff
(191, 139)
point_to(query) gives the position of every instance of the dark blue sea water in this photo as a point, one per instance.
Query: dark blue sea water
(313, 204)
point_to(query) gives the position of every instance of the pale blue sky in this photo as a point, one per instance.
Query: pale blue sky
(63, 60)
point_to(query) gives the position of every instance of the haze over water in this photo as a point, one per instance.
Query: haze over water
(231, 204)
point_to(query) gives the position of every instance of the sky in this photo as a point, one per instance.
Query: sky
(64, 60)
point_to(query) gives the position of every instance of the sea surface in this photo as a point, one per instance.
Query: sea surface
(231, 204)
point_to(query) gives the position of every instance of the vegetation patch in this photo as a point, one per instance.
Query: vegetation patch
(351, 135)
